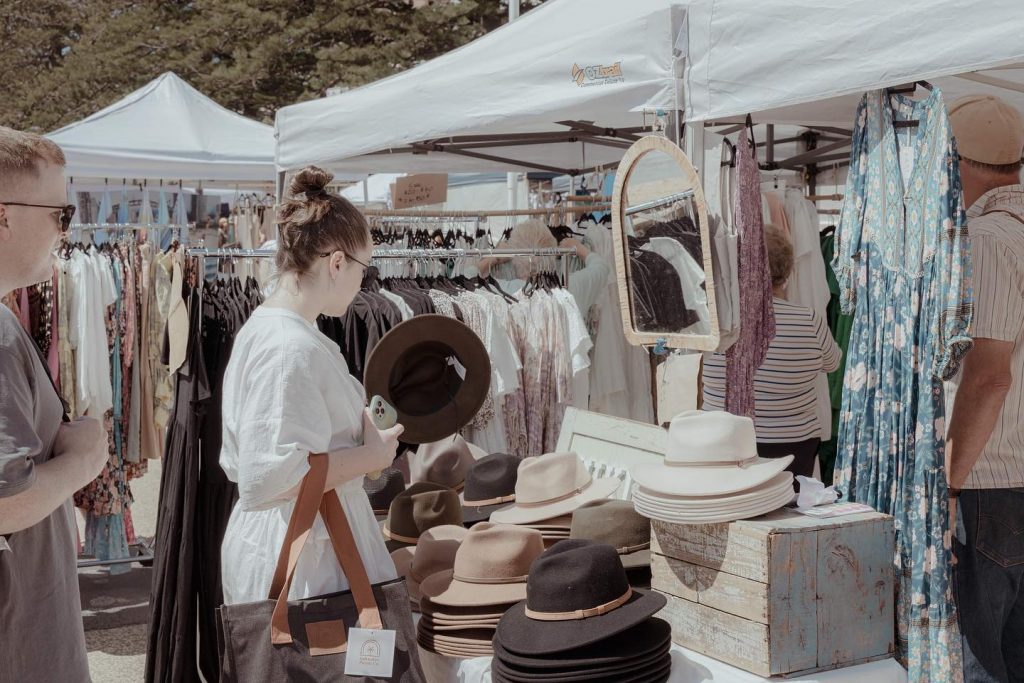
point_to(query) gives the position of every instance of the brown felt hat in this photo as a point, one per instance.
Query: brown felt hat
(434, 553)
(436, 373)
(420, 507)
(617, 523)
(491, 567)
(445, 462)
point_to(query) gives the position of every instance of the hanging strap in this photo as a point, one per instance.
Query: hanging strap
(312, 499)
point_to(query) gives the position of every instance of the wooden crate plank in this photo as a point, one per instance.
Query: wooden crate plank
(728, 638)
(855, 592)
(717, 589)
(792, 602)
(740, 551)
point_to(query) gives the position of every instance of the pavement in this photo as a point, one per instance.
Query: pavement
(115, 607)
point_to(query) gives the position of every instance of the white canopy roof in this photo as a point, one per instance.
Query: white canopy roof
(507, 100)
(810, 63)
(168, 129)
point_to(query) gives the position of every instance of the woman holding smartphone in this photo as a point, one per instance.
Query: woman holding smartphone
(288, 393)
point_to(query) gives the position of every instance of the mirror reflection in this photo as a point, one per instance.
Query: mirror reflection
(660, 218)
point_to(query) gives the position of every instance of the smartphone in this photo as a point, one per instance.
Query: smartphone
(384, 416)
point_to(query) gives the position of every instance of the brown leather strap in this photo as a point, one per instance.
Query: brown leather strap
(312, 499)
(489, 501)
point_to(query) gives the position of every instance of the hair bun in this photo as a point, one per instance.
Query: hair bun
(312, 182)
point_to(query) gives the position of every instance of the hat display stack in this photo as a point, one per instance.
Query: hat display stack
(490, 486)
(582, 621)
(549, 488)
(384, 489)
(435, 552)
(553, 530)
(711, 473)
(618, 524)
(444, 462)
(461, 606)
(420, 507)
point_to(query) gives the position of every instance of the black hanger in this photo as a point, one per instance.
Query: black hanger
(731, 163)
(909, 89)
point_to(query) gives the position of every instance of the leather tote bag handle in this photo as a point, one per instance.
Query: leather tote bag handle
(312, 499)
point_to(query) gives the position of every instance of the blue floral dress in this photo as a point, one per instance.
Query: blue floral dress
(903, 266)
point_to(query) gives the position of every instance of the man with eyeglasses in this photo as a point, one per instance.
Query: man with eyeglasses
(44, 458)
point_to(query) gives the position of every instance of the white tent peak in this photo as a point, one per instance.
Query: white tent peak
(168, 129)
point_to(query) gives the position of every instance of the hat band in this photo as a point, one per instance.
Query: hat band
(713, 463)
(493, 580)
(541, 503)
(402, 539)
(581, 613)
(489, 501)
(626, 550)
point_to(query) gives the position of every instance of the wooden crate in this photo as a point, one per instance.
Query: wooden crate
(779, 594)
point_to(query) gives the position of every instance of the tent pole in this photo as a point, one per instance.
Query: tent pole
(510, 178)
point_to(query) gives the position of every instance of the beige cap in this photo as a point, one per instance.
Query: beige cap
(987, 129)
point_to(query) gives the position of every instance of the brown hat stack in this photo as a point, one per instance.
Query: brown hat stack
(420, 507)
(434, 553)
(461, 607)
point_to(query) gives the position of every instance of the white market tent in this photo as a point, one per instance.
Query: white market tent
(508, 101)
(168, 130)
(809, 64)
(564, 88)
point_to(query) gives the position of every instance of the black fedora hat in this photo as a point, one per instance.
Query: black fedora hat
(577, 594)
(653, 668)
(637, 644)
(436, 373)
(382, 490)
(490, 485)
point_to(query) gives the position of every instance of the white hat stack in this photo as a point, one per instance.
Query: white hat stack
(711, 473)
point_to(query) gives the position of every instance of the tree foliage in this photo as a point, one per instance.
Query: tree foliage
(61, 60)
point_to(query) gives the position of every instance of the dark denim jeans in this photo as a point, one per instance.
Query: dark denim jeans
(989, 584)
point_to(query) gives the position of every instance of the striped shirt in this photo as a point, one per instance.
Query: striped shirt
(995, 223)
(784, 386)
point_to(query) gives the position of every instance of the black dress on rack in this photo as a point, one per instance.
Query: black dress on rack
(196, 497)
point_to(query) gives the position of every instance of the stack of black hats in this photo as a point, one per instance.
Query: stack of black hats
(582, 621)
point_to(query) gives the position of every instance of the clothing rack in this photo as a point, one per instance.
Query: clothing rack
(657, 203)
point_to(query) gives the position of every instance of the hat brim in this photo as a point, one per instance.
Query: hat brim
(473, 515)
(599, 489)
(640, 670)
(641, 558)
(469, 397)
(446, 626)
(521, 634)
(707, 481)
(645, 640)
(443, 589)
(779, 482)
(655, 511)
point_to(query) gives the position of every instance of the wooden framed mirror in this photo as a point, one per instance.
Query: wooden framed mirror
(663, 249)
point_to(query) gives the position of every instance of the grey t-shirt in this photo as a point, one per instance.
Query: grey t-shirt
(41, 635)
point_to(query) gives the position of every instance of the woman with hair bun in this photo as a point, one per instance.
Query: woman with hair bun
(288, 393)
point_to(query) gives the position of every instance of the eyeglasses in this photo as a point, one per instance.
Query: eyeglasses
(67, 212)
(364, 265)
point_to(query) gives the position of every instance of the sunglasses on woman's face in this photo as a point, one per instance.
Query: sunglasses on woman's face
(67, 212)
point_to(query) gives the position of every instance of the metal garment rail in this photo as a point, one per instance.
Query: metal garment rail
(657, 203)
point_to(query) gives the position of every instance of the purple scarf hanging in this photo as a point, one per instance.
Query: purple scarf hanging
(757, 314)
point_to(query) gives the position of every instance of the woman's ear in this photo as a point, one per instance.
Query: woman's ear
(337, 263)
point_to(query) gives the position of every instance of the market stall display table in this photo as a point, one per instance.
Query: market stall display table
(687, 667)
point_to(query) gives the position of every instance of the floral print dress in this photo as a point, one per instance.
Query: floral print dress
(903, 266)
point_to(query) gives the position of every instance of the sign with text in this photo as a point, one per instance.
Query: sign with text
(419, 190)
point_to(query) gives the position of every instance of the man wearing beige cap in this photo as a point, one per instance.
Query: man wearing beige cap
(985, 442)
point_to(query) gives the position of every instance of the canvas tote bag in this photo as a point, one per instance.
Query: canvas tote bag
(306, 640)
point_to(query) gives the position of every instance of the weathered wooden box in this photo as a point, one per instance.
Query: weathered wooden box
(779, 594)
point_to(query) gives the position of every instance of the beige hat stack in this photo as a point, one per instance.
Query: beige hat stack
(552, 530)
(552, 486)
(711, 473)
(461, 606)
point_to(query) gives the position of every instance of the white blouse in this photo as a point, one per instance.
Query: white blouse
(288, 393)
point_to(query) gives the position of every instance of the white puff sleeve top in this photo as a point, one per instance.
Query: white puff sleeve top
(288, 393)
